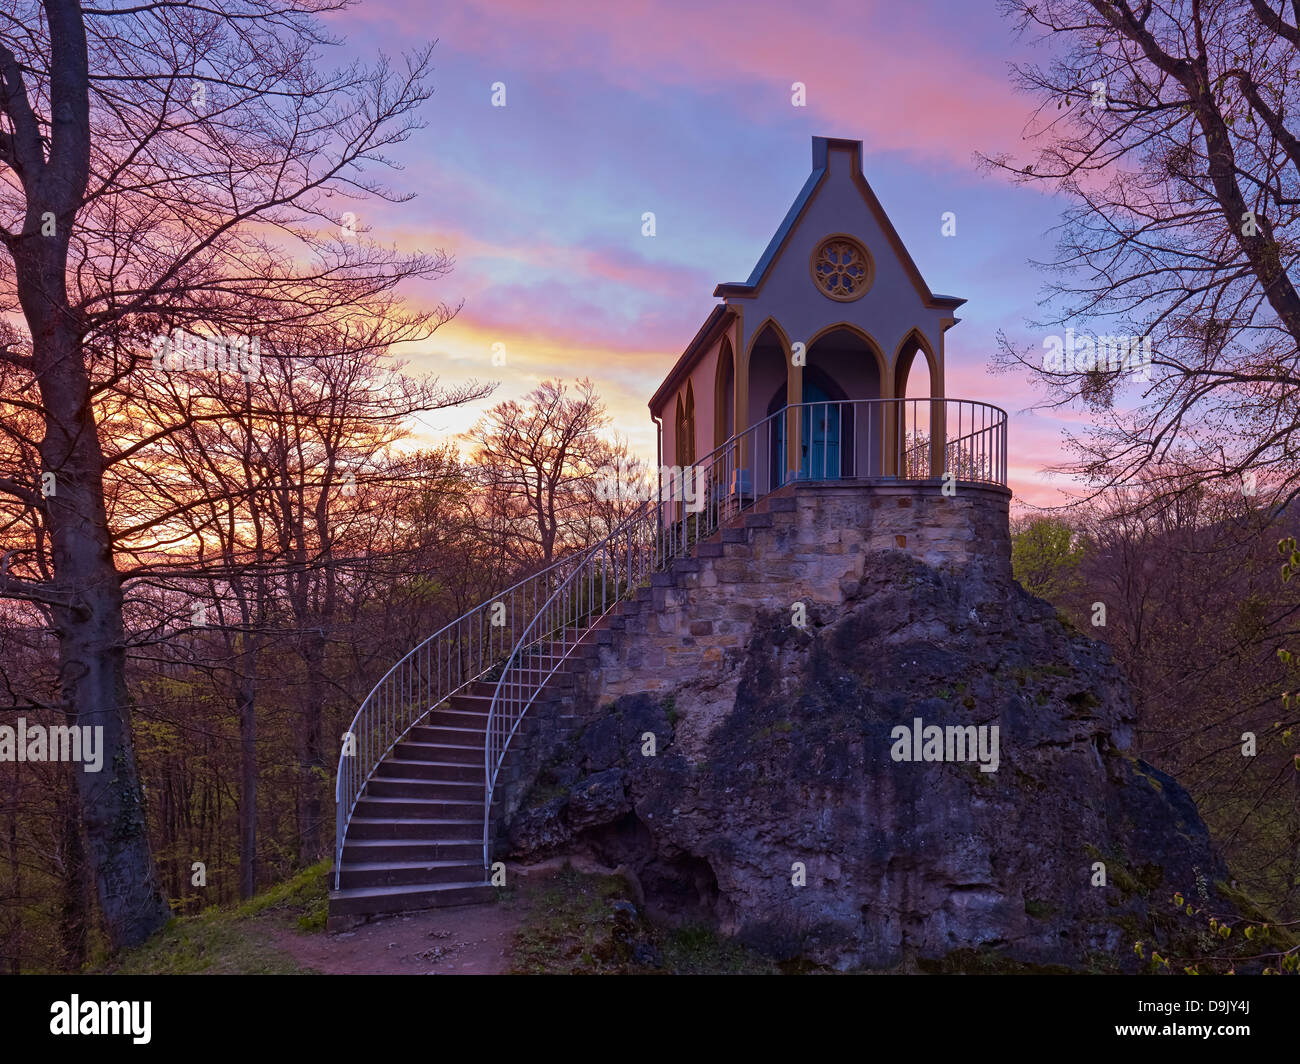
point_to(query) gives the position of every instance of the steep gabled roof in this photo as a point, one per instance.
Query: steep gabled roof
(821, 151)
(721, 315)
(719, 318)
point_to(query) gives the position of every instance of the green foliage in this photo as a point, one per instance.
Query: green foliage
(570, 931)
(1045, 558)
(306, 895)
(699, 950)
(1204, 943)
(237, 939)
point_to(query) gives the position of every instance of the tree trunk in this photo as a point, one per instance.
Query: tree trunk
(87, 590)
(248, 773)
(314, 769)
(92, 643)
(74, 908)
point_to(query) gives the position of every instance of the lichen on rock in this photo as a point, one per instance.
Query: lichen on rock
(906, 865)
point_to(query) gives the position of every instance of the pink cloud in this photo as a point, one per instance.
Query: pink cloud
(901, 84)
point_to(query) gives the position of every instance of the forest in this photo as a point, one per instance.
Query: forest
(219, 525)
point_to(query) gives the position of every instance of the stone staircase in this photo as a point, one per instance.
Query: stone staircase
(416, 838)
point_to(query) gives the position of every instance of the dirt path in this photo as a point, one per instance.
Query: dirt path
(464, 940)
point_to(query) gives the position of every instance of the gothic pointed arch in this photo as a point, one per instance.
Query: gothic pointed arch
(679, 432)
(724, 395)
(688, 413)
(904, 357)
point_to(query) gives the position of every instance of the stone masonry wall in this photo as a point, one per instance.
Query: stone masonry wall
(685, 634)
(806, 543)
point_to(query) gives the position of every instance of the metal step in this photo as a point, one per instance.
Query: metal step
(362, 851)
(368, 901)
(406, 873)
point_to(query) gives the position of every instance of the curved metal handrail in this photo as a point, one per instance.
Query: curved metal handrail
(426, 676)
(608, 572)
(539, 615)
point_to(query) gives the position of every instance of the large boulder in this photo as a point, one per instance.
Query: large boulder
(796, 814)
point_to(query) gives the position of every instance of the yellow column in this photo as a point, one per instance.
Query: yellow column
(890, 465)
(793, 397)
(938, 420)
(744, 459)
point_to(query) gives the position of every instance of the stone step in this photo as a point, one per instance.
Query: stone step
(371, 901)
(361, 851)
(403, 873)
(409, 827)
(415, 840)
(415, 787)
(474, 719)
(446, 771)
(414, 750)
(377, 807)
(450, 735)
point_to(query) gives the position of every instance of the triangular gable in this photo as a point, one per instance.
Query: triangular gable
(822, 147)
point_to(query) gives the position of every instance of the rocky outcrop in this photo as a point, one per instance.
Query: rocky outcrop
(775, 801)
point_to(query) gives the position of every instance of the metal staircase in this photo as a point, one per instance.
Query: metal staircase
(422, 760)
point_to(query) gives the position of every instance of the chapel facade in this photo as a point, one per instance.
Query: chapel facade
(801, 359)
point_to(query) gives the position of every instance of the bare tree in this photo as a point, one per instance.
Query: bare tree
(534, 456)
(164, 166)
(1172, 128)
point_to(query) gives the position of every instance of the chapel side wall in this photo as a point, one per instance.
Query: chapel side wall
(687, 632)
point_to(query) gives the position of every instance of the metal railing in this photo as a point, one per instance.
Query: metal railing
(530, 629)
(467, 649)
(909, 439)
(609, 572)
(851, 439)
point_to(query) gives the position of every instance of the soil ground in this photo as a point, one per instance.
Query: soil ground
(461, 940)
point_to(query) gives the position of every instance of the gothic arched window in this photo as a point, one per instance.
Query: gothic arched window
(688, 451)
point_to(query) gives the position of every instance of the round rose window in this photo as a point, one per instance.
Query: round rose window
(841, 267)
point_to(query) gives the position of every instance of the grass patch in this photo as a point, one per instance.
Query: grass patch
(569, 928)
(699, 950)
(235, 939)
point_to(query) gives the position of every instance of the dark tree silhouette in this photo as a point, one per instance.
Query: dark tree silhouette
(1173, 129)
(161, 166)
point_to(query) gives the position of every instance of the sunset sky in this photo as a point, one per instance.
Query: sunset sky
(684, 109)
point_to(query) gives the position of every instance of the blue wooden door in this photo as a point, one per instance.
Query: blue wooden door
(819, 429)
